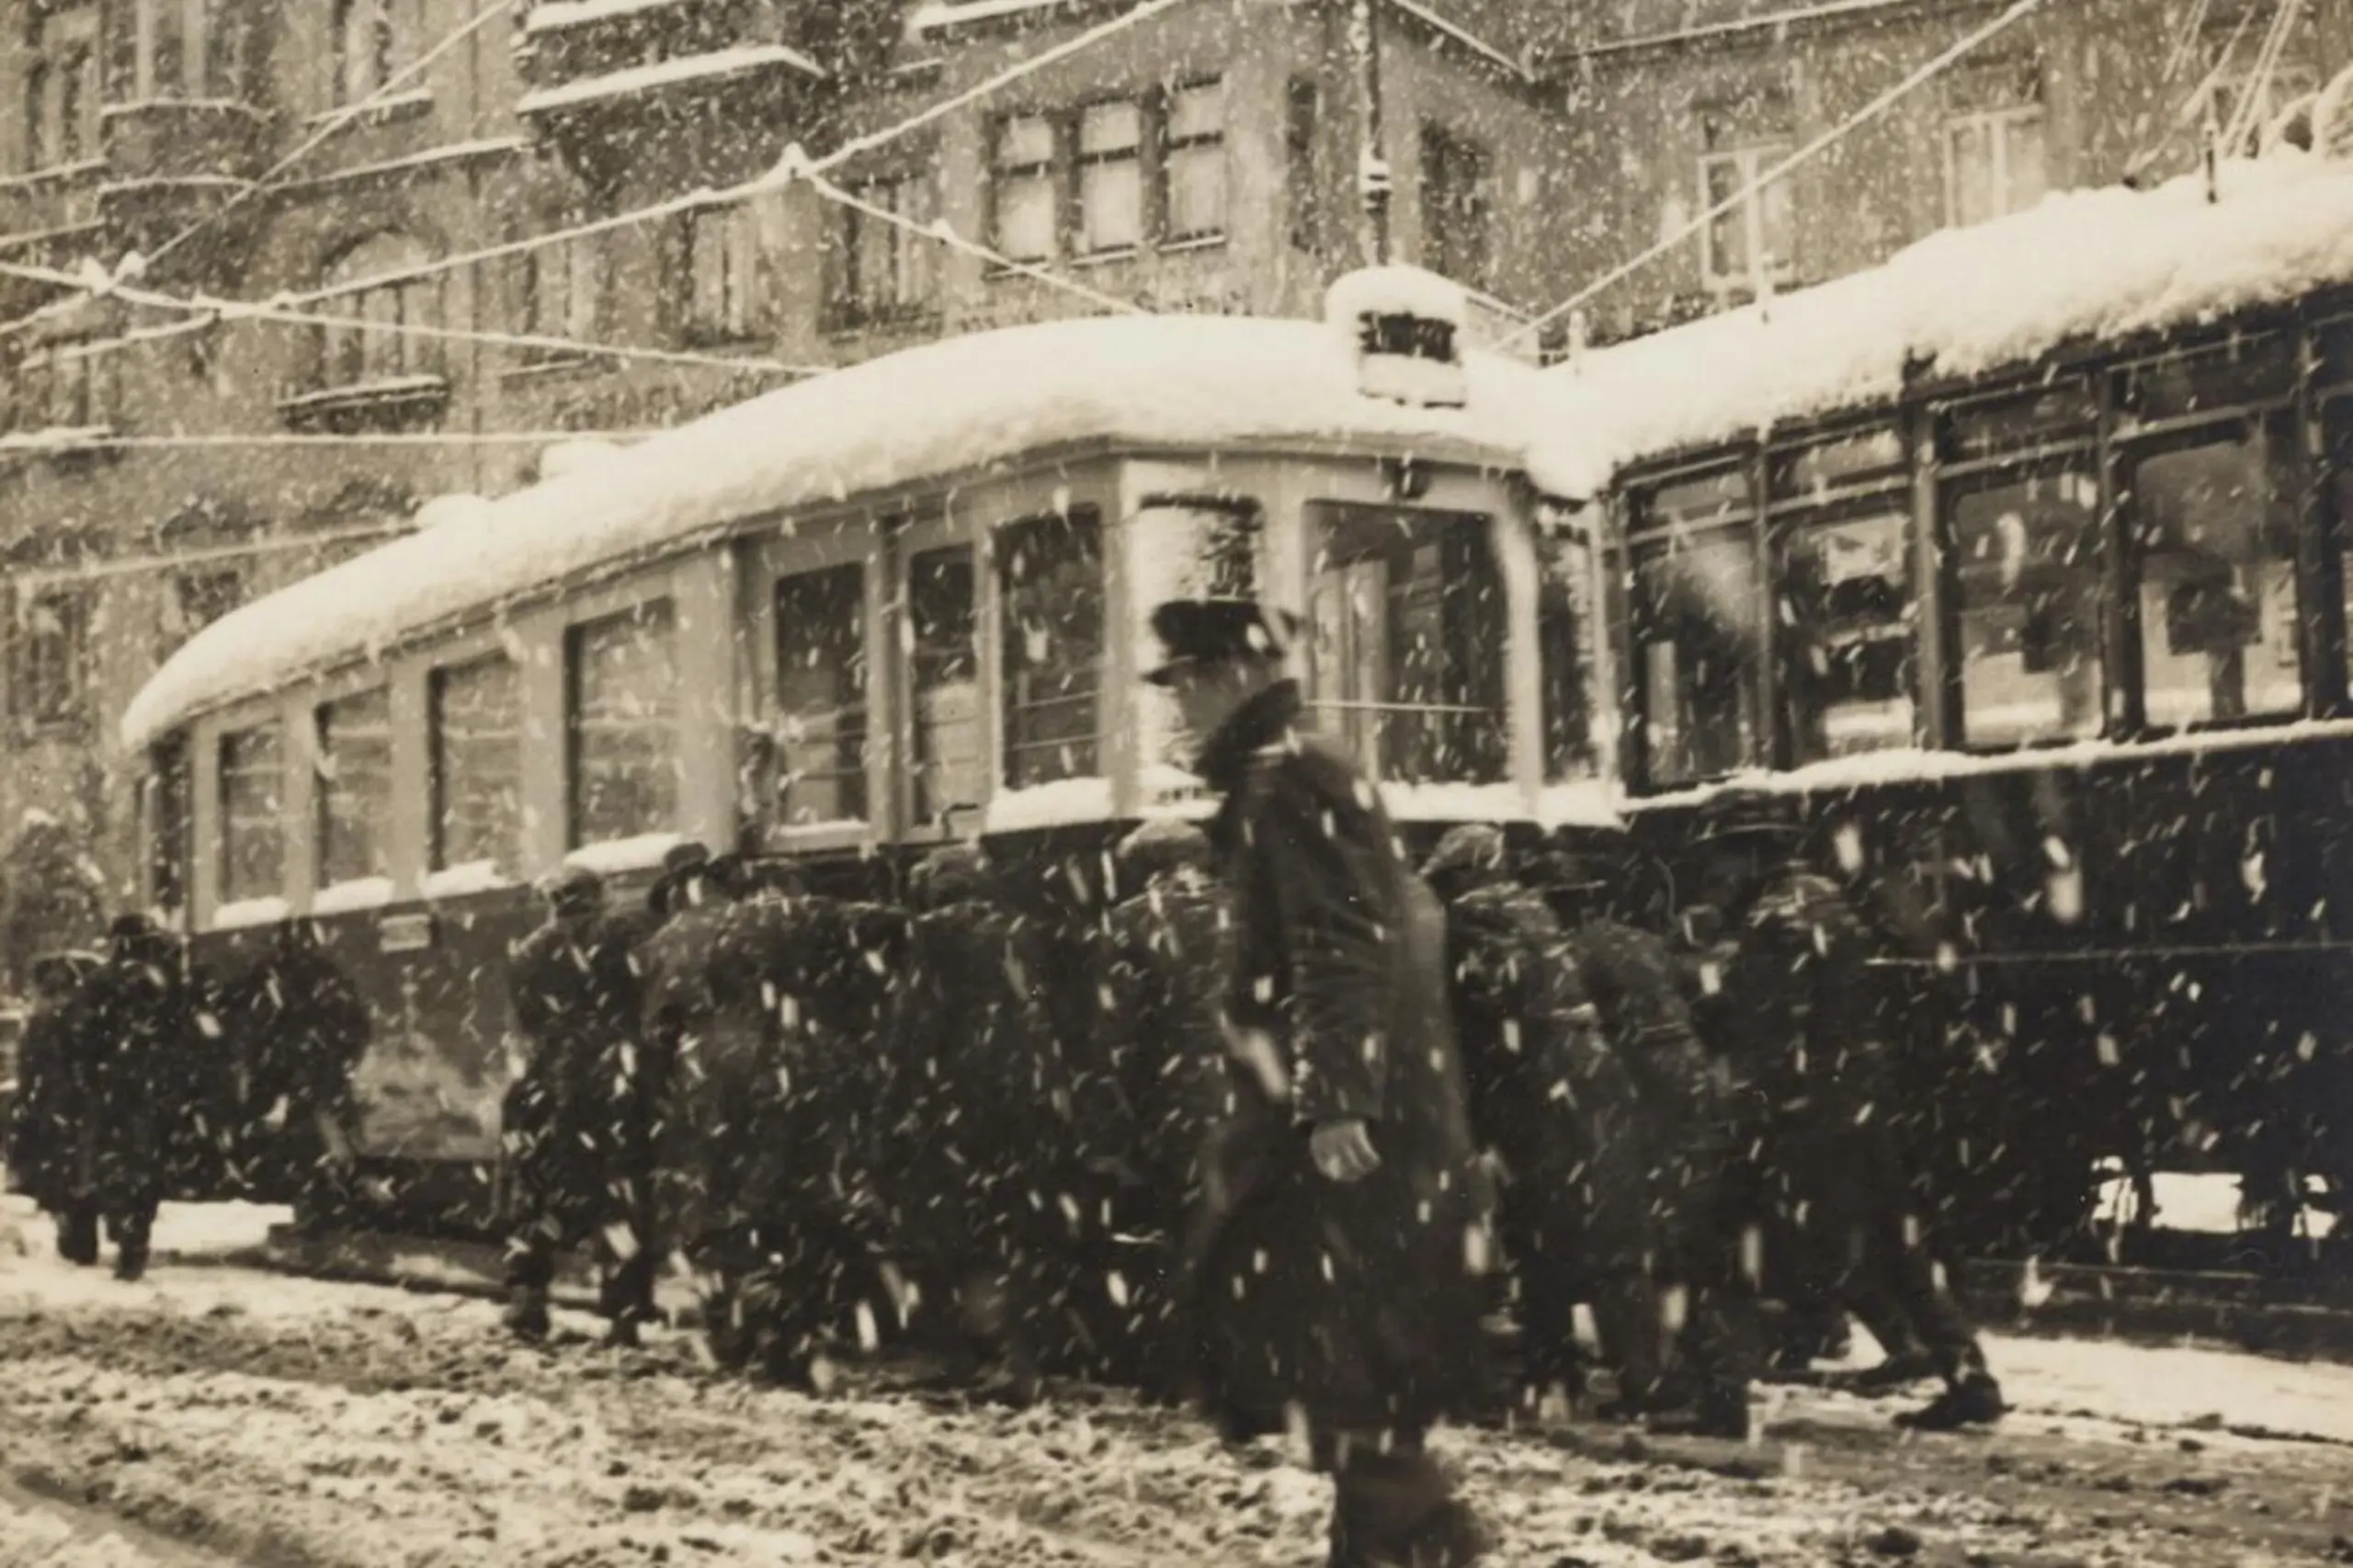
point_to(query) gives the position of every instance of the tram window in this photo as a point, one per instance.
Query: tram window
(821, 694)
(1845, 608)
(1871, 456)
(1186, 547)
(2060, 413)
(1050, 574)
(2029, 597)
(168, 822)
(2256, 368)
(355, 791)
(1696, 641)
(477, 762)
(1406, 658)
(1563, 615)
(253, 831)
(945, 676)
(623, 721)
(2332, 346)
(2214, 530)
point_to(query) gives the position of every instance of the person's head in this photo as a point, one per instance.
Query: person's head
(1161, 849)
(1469, 857)
(953, 873)
(574, 894)
(1582, 869)
(686, 880)
(1219, 654)
(1744, 836)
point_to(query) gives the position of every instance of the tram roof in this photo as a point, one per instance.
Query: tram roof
(960, 406)
(2082, 266)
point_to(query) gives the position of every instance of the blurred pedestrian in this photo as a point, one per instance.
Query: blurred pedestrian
(571, 1125)
(45, 1117)
(300, 1027)
(1806, 1035)
(129, 1045)
(1336, 1285)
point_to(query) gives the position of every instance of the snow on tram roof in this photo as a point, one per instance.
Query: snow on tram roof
(2081, 265)
(927, 412)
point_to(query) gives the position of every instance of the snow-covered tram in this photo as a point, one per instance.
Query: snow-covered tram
(2019, 565)
(846, 622)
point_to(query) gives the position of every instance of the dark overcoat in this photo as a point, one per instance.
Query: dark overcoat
(299, 1027)
(1354, 1306)
(131, 1048)
(574, 1126)
(47, 1105)
(1548, 1092)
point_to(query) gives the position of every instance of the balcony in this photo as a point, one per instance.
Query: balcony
(613, 82)
(175, 163)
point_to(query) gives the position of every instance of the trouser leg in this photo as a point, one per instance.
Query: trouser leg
(77, 1231)
(1626, 1312)
(131, 1222)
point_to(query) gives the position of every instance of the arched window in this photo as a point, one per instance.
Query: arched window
(354, 355)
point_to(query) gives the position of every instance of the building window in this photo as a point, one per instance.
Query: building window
(944, 664)
(1756, 236)
(1406, 663)
(198, 598)
(67, 386)
(1021, 189)
(1303, 119)
(253, 836)
(622, 715)
(820, 695)
(60, 87)
(357, 354)
(1698, 633)
(1457, 206)
(564, 291)
(883, 270)
(51, 665)
(1192, 166)
(723, 271)
(355, 789)
(1051, 577)
(1994, 163)
(477, 738)
(1110, 177)
(366, 47)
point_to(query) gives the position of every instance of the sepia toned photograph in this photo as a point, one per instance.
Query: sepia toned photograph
(1175, 783)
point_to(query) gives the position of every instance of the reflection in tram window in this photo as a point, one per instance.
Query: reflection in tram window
(2214, 529)
(1844, 607)
(1696, 645)
(2028, 546)
(820, 695)
(944, 668)
(355, 791)
(1406, 666)
(477, 763)
(623, 720)
(1563, 622)
(253, 834)
(1050, 572)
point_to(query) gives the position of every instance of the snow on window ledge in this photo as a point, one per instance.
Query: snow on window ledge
(680, 71)
(1580, 802)
(246, 913)
(360, 893)
(1454, 802)
(616, 856)
(1058, 804)
(473, 876)
(553, 15)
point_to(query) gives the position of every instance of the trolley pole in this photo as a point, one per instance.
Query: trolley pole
(1373, 180)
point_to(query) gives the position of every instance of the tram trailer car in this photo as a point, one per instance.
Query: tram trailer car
(847, 623)
(2018, 566)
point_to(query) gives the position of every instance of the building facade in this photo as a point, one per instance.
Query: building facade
(158, 466)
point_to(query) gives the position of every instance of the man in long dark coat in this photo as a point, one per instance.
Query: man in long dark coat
(570, 1120)
(302, 1028)
(1156, 1084)
(48, 1107)
(1691, 1117)
(975, 1141)
(1553, 1099)
(1797, 1011)
(1338, 1285)
(129, 1043)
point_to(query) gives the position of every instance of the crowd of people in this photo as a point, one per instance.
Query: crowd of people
(1279, 1130)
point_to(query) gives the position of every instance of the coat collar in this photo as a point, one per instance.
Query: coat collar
(1270, 716)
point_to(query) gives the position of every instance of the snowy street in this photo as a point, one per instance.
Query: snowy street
(226, 1415)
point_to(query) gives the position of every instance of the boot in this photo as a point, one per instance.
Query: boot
(1974, 1401)
(1911, 1365)
(526, 1316)
(1397, 1510)
(77, 1237)
(1719, 1411)
(129, 1262)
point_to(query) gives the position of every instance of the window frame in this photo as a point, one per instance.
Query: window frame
(1160, 226)
(1642, 531)
(458, 660)
(577, 628)
(227, 890)
(1750, 157)
(1130, 156)
(2000, 124)
(329, 791)
(1045, 171)
(735, 230)
(915, 289)
(780, 825)
(1083, 520)
(50, 672)
(1447, 214)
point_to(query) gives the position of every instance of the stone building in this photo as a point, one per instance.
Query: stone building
(158, 467)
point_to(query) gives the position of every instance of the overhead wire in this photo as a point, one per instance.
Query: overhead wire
(945, 235)
(2016, 12)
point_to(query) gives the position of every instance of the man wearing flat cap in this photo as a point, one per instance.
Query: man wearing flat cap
(576, 1004)
(1335, 1283)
